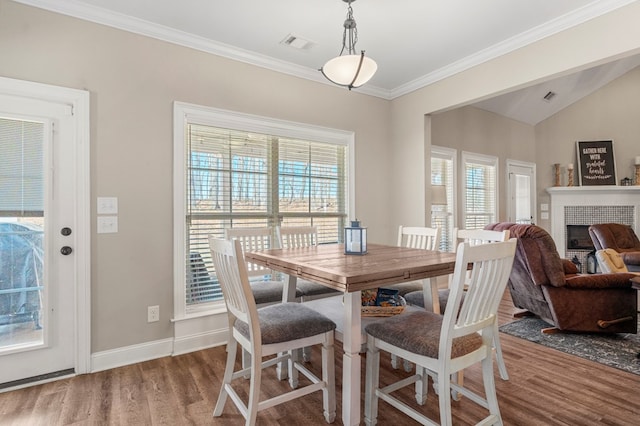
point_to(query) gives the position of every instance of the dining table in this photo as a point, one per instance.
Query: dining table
(382, 265)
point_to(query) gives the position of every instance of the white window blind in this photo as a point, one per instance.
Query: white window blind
(443, 173)
(480, 190)
(21, 168)
(237, 178)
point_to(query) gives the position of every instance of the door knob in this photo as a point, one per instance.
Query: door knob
(66, 250)
(65, 231)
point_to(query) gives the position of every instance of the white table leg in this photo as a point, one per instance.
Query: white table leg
(430, 292)
(289, 288)
(351, 359)
(288, 295)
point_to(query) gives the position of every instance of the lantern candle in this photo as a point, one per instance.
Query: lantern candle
(355, 238)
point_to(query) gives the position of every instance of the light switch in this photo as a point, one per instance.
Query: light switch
(107, 224)
(544, 207)
(544, 215)
(107, 205)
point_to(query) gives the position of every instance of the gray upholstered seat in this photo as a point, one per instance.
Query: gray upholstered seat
(416, 298)
(288, 321)
(423, 337)
(266, 292)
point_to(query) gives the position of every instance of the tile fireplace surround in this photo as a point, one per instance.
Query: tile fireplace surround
(587, 205)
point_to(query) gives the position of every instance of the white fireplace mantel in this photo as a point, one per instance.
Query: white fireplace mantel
(562, 197)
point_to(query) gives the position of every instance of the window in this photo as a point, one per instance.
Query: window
(233, 170)
(443, 166)
(480, 190)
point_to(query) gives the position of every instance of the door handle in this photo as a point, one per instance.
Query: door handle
(65, 231)
(66, 250)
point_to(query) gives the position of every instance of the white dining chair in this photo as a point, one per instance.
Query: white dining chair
(418, 237)
(275, 331)
(442, 345)
(473, 237)
(265, 287)
(297, 237)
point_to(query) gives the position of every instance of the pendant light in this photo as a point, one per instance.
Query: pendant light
(349, 69)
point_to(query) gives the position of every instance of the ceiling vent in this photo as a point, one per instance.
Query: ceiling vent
(549, 96)
(297, 42)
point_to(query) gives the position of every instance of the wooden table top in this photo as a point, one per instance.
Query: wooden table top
(328, 265)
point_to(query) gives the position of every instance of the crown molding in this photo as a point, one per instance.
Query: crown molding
(102, 16)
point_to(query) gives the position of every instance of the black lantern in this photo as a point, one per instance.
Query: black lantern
(577, 262)
(355, 238)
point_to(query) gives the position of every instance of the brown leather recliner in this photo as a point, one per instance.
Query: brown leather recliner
(551, 287)
(620, 238)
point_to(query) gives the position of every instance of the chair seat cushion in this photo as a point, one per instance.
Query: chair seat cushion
(309, 288)
(269, 291)
(417, 298)
(419, 332)
(288, 321)
(406, 288)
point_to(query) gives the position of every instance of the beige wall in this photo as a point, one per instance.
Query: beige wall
(482, 132)
(611, 113)
(133, 81)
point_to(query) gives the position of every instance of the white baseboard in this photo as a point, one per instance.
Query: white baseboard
(127, 355)
(196, 342)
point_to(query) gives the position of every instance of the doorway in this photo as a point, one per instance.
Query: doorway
(44, 232)
(521, 192)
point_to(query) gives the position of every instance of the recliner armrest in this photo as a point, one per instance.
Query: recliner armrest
(619, 280)
(631, 257)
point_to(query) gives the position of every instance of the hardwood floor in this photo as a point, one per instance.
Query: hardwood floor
(546, 387)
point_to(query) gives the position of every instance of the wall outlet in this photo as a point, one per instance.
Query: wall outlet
(153, 313)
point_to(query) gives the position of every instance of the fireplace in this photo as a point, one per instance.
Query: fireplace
(582, 206)
(578, 238)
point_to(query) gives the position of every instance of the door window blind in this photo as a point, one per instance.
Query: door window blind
(21, 168)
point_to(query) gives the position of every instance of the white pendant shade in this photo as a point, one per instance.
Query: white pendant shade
(343, 69)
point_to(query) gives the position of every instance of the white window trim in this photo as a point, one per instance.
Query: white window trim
(184, 113)
(488, 160)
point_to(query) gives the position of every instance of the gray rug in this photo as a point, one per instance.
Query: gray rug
(615, 350)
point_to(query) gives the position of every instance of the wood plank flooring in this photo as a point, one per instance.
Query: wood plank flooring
(546, 387)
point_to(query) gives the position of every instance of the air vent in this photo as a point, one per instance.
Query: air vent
(297, 42)
(549, 96)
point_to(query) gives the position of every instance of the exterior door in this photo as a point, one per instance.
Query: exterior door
(521, 184)
(40, 234)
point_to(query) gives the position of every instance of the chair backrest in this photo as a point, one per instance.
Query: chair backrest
(479, 236)
(616, 236)
(231, 271)
(491, 266)
(297, 236)
(253, 239)
(419, 237)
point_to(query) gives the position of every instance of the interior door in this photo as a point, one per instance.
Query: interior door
(38, 235)
(521, 181)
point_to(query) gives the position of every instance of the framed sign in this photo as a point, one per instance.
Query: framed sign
(596, 165)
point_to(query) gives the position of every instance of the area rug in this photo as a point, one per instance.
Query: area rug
(615, 350)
